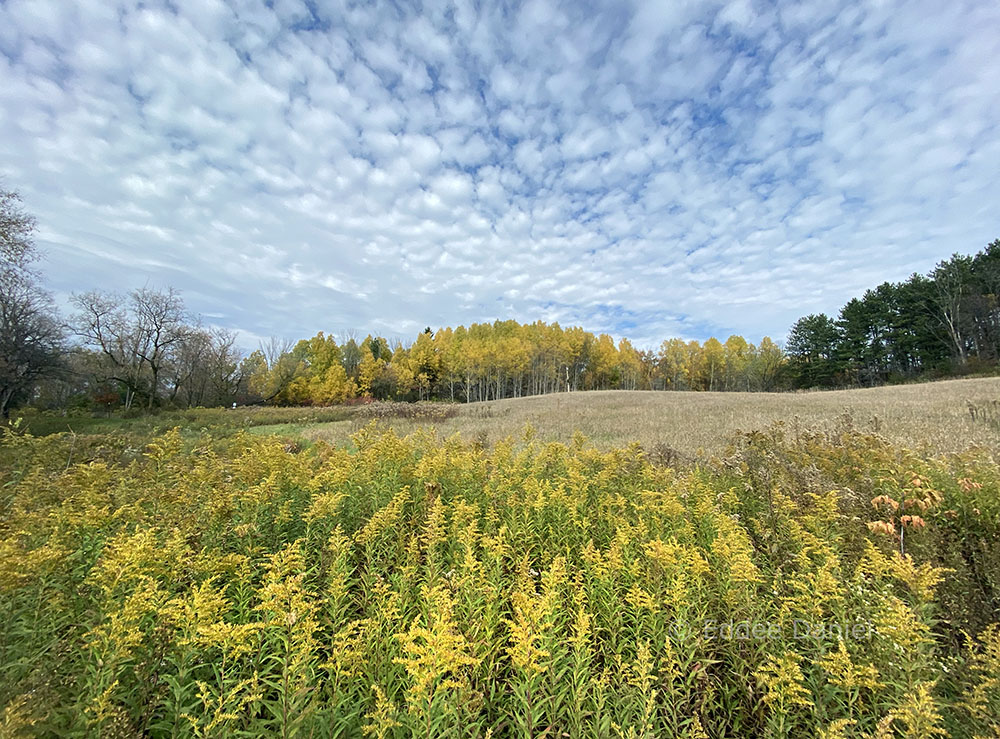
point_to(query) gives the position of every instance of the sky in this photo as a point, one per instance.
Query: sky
(650, 170)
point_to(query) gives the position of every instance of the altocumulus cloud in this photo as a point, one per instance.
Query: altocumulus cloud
(660, 169)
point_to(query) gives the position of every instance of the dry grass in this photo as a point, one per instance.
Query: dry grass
(932, 416)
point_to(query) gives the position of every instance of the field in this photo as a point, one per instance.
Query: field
(937, 417)
(934, 416)
(345, 578)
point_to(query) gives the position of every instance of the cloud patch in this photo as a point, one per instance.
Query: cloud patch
(652, 170)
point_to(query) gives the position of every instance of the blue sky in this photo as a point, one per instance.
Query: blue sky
(651, 170)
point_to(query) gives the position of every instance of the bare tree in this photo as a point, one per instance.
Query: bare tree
(206, 368)
(161, 325)
(186, 377)
(350, 352)
(17, 248)
(274, 349)
(103, 324)
(224, 366)
(30, 334)
(137, 336)
(30, 339)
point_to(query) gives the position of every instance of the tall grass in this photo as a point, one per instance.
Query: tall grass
(220, 420)
(235, 586)
(946, 416)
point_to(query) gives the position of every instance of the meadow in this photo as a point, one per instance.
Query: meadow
(936, 417)
(473, 572)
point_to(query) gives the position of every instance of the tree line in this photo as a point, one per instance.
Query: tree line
(142, 350)
(944, 323)
(145, 350)
(506, 359)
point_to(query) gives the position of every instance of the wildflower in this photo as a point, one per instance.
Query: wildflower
(526, 630)
(346, 651)
(837, 729)
(384, 519)
(223, 708)
(696, 730)
(783, 681)
(324, 505)
(920, 579)
(436, 653)
(731, 547)
(20, 565)
(897, 623)
(844, 673)
(434, 532)
(983, 657)
(919, 713)
(201, 618)
(581, 628)
(640, 599)
(18, 718)
(382, 719)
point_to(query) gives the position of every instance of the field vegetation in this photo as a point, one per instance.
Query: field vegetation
(210, 581)
(945, 416)
(937, 417)
(191, 420)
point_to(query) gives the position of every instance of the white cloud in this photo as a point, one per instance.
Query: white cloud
(667, 169)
